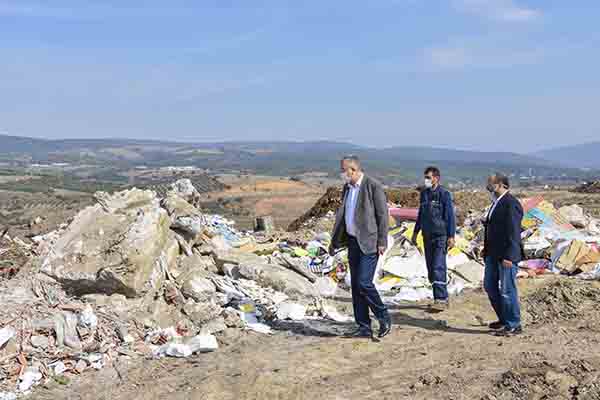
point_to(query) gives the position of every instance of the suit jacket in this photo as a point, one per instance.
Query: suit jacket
(503, 230)
(371, 216)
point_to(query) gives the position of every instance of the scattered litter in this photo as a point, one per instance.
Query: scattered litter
(6, 334)
(292, 311)
(32, 376)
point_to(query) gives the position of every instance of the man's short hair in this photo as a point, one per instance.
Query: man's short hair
(435, 171)
(501, 179)
(351, 158)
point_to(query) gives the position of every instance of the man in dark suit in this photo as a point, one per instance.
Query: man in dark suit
(502, 252)
(362, 225)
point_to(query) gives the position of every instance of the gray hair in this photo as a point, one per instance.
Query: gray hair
(351, 158)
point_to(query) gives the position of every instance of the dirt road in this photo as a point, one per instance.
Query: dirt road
(448, 356)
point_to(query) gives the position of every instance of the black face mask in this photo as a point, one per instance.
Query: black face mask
(490, 188)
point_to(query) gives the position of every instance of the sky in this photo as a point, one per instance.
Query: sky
(495, 75)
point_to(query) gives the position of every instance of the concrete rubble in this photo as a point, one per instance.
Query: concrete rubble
(134, 276)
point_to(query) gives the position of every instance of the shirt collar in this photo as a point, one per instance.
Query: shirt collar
(359, 182)
(501, 196)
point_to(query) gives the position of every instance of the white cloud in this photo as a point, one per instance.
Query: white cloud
(482, 53)
(500, 10)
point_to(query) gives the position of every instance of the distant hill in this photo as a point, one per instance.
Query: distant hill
(577, 156)
(394, 165)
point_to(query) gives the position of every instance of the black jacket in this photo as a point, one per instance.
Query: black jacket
(503, 230)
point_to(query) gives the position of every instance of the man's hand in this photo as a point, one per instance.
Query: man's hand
(381, 250)
(507, 263)
(451, 243)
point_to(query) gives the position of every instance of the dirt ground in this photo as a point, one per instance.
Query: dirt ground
(250, 196)
(445, 356)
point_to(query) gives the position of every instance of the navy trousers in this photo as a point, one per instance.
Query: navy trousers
(364, 293)
(436, 250)
(500, 283)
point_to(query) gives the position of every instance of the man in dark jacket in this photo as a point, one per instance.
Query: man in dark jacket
(502, 252)
(437, 222)
(362, 225)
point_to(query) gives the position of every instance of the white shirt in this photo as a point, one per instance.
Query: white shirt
(350, 206)
(494, 205)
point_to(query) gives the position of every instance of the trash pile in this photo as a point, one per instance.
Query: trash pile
(136, 275)
(564, 240)
(588, 187)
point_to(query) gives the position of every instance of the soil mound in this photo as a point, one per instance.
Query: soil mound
(561, 301)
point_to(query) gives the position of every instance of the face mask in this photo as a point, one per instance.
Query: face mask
(493, 195)
(428, 183)
(345, 178)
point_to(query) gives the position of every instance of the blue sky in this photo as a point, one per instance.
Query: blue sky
(517, 75)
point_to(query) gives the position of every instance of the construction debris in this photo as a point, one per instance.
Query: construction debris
(138, 275)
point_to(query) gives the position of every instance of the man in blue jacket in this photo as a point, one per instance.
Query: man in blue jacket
(436, 220)
(502, 252)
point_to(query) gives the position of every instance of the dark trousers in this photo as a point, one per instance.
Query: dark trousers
(436, 250)
(500, 283)
(364, 293)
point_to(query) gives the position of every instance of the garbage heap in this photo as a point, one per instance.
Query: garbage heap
(588, 187)
(135, 275)
(556, 241)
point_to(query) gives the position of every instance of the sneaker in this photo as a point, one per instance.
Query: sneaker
(507, 332)
(496, 325)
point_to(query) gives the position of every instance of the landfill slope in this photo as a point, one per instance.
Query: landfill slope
(148, 296)
(449, 356)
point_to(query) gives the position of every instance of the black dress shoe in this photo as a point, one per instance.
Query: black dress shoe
(385, 327)
(496, 325)
(506, 332)
(359, 333)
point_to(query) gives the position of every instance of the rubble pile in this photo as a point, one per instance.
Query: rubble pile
(562, 300)
(534, 377)
(142, 275)
(588, 187)
(564, 240)
(136, 275)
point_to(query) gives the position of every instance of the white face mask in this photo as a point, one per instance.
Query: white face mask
(428, 183)
(345, 178)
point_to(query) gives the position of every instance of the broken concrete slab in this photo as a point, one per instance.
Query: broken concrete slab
(235, 257)
(278, 278)
(574, 215)
(198, 287)
(194, 263)
(65, 326)
(122, 245)
(201, 313)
